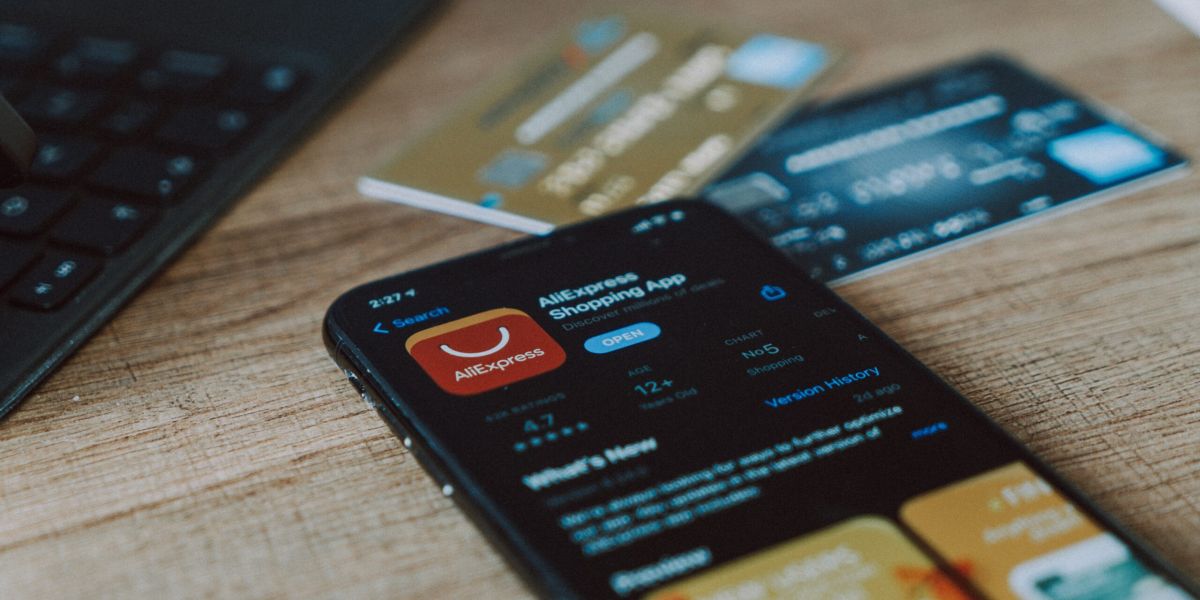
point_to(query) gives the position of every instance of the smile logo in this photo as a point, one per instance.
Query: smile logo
(485, 351)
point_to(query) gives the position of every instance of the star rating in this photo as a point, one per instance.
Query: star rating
(550, 437)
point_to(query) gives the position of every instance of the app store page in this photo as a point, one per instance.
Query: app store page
(665, 409)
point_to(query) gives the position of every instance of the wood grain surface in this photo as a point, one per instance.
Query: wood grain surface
(203, 445)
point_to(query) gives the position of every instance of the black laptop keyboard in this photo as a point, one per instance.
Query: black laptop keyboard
(124, 132)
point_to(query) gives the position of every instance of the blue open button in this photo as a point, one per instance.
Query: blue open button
(622, 338)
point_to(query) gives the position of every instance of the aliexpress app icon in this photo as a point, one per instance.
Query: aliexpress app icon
(485, 351)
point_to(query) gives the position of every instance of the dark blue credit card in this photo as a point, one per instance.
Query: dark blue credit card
(867, 182)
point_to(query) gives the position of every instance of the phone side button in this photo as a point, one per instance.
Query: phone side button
(435, 472)
(427, 462)
(398, 428)
(360, 388)
(393, 423)
(369, 399)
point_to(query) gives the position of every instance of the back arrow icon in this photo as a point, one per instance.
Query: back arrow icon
(379, 329)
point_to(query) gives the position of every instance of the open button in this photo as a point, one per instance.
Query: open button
(622, 338)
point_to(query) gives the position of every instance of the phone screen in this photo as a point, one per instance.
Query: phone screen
(658, 405)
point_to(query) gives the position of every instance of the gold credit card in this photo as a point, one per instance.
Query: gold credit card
(620, 110)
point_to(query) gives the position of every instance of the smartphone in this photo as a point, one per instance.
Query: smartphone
(658, 405)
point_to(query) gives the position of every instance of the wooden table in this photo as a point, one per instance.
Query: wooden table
(204, 445)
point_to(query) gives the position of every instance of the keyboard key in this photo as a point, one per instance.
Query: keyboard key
(96, 59)
(14, 258)
(51, 106)
(62, 157)
(29, 209)
(204, 127)
(102, 225)
(131, 119)
(54, 280)
(265, 86)
(20, 46)
(144, 172)
(184, 73)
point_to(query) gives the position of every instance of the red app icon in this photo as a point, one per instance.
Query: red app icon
(485, 351)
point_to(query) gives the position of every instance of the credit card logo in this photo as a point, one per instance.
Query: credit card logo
(485, 351)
